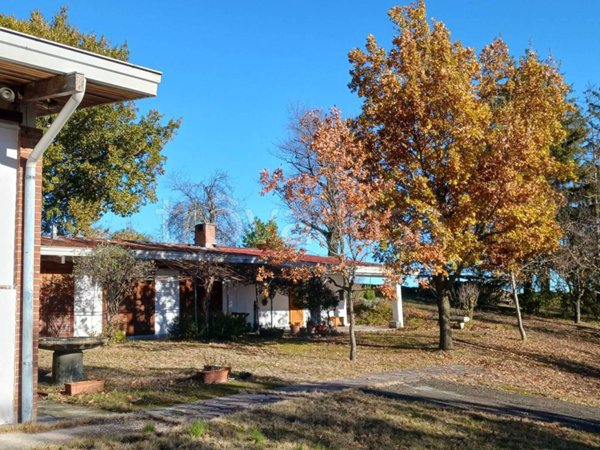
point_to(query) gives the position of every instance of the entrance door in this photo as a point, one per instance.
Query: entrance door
(296, 314)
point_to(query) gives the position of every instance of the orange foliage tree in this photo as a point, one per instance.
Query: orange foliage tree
(464, 140)
(341, 192)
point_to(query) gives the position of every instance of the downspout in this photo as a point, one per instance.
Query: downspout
(29, 249)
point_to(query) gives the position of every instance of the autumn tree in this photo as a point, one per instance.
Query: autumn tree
(105, 159)
(115, 270)
(130, 234)
(262, 234)
(339, 189)
(297, 153)
(206, 201)
(464, 141)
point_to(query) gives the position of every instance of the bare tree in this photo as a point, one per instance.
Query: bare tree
(205, 273)
(115, 270)
(297, 153)
(206, 201)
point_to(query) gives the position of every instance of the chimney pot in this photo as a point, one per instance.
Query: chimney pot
(205, 235)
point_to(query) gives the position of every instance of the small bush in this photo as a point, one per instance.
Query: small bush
(183, 328)
(376, 312)
(118, 337)
(271, 333)
(257, 436)
(227, 327)
(197, 428)
(148, 428)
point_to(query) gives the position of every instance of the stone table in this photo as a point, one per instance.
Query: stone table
(67, 359)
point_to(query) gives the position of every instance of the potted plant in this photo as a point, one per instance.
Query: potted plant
(295, 328)
(214, 371)
(321, 328)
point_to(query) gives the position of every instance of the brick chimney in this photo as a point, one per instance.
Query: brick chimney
(205, 235)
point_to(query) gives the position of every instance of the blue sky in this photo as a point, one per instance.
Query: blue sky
(232, 69)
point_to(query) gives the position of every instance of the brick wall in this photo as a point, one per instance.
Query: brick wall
(27, 140)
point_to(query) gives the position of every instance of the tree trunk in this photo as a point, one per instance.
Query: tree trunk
(351, 323)
(333, 244)
(208, 291)
(443, 302)
(195, 287)
(578, 310)
(517, 307)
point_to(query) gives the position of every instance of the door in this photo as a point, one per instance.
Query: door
(296, 314)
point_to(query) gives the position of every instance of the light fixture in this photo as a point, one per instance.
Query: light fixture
(7, 94)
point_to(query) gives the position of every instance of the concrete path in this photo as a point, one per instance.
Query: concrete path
(453, 395)
(410, 384)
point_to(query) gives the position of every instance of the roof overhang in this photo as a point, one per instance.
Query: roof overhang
(157, 255)
(25, 59)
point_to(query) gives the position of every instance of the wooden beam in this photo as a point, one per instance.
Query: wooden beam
(57, 86)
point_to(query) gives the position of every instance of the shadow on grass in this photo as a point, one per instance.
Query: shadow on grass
(555, 362)
(504, 409)
(131, 390)
(353, 420)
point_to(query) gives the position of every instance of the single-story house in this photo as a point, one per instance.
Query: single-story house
(39, 77)
(74, 307)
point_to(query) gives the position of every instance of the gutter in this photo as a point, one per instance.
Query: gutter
(29, 251)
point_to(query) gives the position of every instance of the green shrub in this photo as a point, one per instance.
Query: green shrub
(118, 337)
(227, 327)
(222, 327)
(271, 333)
(257, 436)
(369, 294)
(197, 428)
(376, 312)
(183, 328)
(148, 428)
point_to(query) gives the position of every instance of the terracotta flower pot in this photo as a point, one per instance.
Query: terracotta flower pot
(214, 374)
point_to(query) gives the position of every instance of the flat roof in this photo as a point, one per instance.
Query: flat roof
(25, 58)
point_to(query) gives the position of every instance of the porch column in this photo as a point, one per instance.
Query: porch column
(167, 300)
(397, 310)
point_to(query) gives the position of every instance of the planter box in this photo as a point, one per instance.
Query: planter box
(217, 375)
(84, 387)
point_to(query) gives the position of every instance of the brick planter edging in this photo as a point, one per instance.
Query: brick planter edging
(84, 387)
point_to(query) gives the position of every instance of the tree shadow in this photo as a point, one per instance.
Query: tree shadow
(575, 367)
(505, 409)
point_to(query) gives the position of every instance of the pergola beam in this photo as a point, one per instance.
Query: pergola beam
(53, 87)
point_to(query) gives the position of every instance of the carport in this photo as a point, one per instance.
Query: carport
(39, 77)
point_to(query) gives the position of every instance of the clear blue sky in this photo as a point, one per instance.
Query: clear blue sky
(233, 68)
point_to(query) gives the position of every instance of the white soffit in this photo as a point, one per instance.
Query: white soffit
(25, 58)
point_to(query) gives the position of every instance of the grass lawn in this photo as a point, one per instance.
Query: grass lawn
(560, 360)
(353, 420)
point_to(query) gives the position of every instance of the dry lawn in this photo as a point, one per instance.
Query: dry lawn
(559, 360)
(354, 420)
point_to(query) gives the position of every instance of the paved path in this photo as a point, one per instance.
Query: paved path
(495, 401)
(411, 385)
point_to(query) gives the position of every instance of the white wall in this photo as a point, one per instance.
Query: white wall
(8, 200)
(87, 308)
(281, 312)
(166, 308)
(8, 295)
(8, 311)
